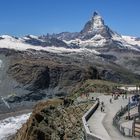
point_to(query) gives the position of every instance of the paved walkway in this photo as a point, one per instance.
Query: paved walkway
(96, 126)
(101, 123)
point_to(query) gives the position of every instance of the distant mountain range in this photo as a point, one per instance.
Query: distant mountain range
(94, 34)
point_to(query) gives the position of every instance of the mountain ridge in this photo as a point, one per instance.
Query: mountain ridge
(94, 34)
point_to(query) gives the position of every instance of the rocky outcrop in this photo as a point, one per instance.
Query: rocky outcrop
(39, 74)
(52, 120)
(32, 75)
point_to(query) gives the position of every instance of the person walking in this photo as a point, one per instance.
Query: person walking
(123, 96)
(102, 103)
(102, 106)
(101, 109)
(110, 100)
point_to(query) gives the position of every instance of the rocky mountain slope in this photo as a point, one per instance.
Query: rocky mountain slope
(96, 34)
(53, 121)
(37, 67)
(34, 75)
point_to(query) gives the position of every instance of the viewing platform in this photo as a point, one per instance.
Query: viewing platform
(101, 123)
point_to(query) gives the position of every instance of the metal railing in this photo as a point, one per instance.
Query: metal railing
(123, 130)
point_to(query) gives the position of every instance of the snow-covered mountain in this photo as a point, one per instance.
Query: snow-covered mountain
(31, 42)
(95, 34)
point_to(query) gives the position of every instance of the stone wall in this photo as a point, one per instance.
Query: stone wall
(85, 118)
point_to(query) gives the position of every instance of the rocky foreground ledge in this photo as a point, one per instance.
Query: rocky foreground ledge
(54, 120)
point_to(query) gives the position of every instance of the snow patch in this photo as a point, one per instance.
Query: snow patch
(6, 37)
(97, 22)
(10, 125)
(29, 37)
(97, 37)
(131, 40)
(18, 44)
(96, 41)
(126, 41)
(63, 50)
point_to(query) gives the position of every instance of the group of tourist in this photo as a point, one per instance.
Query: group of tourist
(115, 97)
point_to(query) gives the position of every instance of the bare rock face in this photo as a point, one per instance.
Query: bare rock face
(40, 75)
(51, 120)
(33, 75)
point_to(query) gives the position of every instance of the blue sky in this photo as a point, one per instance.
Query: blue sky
(22, 17)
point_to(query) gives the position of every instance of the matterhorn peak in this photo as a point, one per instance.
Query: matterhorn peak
(95, 14)
(96, 23)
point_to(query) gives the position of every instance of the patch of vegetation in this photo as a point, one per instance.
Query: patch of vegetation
(99, 86)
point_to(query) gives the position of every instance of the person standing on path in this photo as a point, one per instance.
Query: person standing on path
(110, 100)
(123, 96)
(101, 109)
